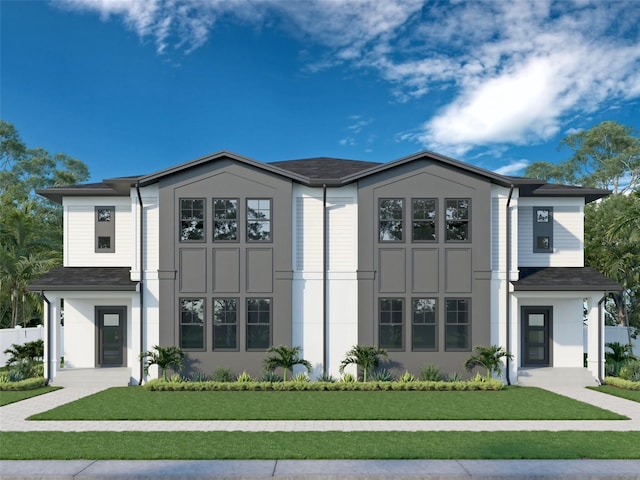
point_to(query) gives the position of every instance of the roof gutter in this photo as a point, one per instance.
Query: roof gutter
(508, 292)
(141, 284)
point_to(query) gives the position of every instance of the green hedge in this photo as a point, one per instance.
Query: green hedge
(160, 385)
(621, 383)
(28, 384)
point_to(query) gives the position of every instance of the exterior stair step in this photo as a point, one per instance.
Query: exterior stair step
(93, 377)
(556, 377)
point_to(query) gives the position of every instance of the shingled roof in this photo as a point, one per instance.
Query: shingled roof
(325, 168)
(85, 279)
(564, 279)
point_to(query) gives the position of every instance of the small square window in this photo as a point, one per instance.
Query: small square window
(542, 215)
(543, 243)
(104, 214)
(104, 243)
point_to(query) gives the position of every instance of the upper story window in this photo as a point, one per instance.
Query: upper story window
(105, 229)
(192, 219)
(259, 219)
(542, 229)
(457, 216)
(424, 214)
(391, 219)
(225, 219)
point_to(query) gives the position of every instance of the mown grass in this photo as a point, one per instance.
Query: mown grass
(318, 445)
(11, 396)
(513, 403)
(633, 395)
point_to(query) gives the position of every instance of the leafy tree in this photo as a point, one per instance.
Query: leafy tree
(605, 156)
(33, 351)
(365, 357)
(286, 358)
(164, 358)
(618, 356)
(489, 358)
(31, 227)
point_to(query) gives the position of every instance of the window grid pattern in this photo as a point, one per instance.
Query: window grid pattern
(225, 324)
(192, 323)
(424, 328)
(457, 215)
(258, 323)
(225, 219)
(391, 327)
(458, 323)
(259, 219)
(391, 220)
(424, 214)
(192, 219)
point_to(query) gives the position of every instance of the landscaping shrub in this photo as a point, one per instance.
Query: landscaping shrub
(33, 351)
(631, 371)
(622, 383)
(431, 373)
(327, 377)
(270, 376)
(382, 375)
(222, 374)
(244, 377)
(406, 377)
(28, 384)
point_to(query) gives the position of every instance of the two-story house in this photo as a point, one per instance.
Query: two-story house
(225, 256)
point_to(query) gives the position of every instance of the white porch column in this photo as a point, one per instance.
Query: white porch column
(51, 335)
(595, 338)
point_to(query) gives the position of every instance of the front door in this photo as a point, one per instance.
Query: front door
(536, 328)
(111, 336)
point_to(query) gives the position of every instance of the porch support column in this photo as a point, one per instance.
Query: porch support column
(514, 335)
(133, 358)
(52, 335)
(595, 338)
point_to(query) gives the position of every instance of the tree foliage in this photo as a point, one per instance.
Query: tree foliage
(365, 357)
(605, 156)
(164, 358)
(489, 358)
(31, 227)
(286, 358)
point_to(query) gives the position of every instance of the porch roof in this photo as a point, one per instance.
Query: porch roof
(564, 278)
(85, 279)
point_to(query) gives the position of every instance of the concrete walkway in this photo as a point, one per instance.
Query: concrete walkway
(13, 418)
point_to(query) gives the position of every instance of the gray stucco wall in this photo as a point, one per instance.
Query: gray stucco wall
(244, 269)
(439, 269)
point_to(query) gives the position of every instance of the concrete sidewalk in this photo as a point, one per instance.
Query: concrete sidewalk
(321, 469)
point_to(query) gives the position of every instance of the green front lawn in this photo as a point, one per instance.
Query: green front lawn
(319, 445)
(619, 392)
(11, 396)
(512, 403)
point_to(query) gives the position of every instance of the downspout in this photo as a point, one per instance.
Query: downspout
(49, 372)
(600, 342)
(141, 284)
(324, 279)
(508, 293)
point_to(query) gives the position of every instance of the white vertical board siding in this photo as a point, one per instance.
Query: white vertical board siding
(568, 233)
(341, 276)
(79, 232)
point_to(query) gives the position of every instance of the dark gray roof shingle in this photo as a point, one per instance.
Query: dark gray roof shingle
(564, 278)
(324, 168)
(85, 278)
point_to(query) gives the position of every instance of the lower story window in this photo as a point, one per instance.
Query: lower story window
(192, 323)
(424, 326)
(458, 321)
(225, 323)
(390, 334)
(258, 323)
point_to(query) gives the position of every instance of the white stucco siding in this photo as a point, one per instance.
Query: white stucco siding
(342, 290)
(79, 232)
(568, 233)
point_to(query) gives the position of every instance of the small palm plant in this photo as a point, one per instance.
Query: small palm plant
(286, 358)
(366, 357)
(618, 357)
(489, 358)
(164, 358)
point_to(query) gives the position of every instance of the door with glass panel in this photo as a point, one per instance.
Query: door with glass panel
(536, 335)
(111, 336)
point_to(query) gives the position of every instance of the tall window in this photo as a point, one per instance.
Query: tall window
(424, 219)
(457, 217)
(390, 334)
(458, 322)
(424, 326)
(105, 229)
(192, 323)
(192, 219)
(258, 323)
(225, 324)
(259, 219)
(391, 219)
(225, 219)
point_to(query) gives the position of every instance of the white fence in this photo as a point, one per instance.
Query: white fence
(18, 335)
(617, 334)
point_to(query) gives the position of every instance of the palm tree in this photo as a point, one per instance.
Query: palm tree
(286, 358)
(163, 357)
(366, 357)
(618, 356)
(489, 358)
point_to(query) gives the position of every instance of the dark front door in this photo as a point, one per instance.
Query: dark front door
(111, 336)
(536, 328)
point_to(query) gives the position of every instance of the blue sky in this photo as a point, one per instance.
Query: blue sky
(132, 87)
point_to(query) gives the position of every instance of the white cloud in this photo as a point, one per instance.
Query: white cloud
(513, 168)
